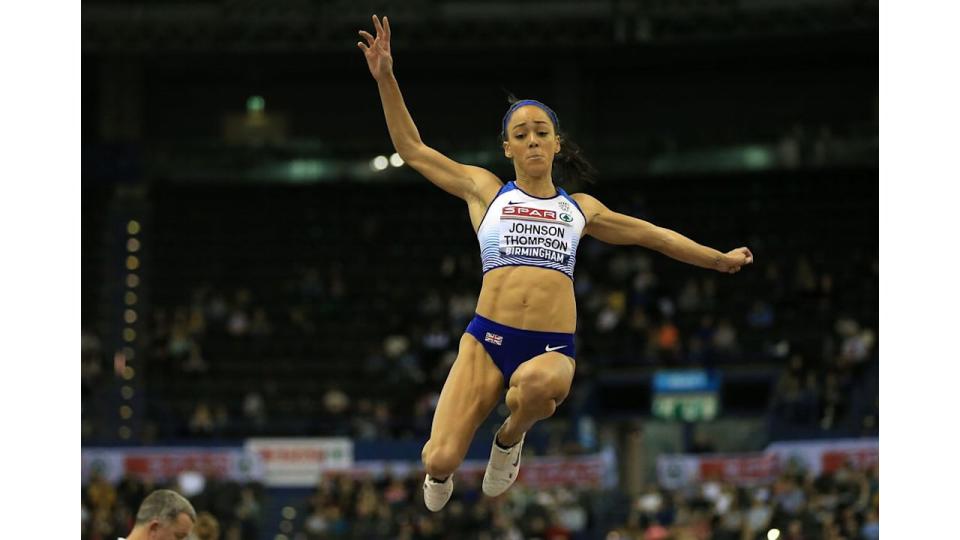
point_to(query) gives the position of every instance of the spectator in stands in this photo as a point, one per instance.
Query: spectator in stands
(195, 362)
(90, 358)
(207, 527)
(832, 401)
(180, 342)
(216, 308)
(248, 512)
(201, 421)
(101, 495)
(758, 515)
(164, 515)
(668, 342)
(656, 531)
(871, 525)
(130, 490)
(239, 322)
(795, 531)
(254, 408)
(260, 326)
(725, 340)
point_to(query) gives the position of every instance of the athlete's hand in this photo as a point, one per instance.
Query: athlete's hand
(733, 260)
(377, 50)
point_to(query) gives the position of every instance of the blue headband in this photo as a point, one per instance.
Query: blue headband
(535, 103)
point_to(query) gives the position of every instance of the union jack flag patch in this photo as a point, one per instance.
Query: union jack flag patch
(490, 337)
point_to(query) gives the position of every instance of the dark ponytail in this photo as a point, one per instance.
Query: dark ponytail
(570, 165)
(571, 162)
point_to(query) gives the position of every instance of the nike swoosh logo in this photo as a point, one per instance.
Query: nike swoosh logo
(518, 202)
(551, 349)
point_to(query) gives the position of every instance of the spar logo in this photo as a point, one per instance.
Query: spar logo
(566, 217)
(522, 212)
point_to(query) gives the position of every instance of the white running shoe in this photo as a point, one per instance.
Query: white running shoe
(436, 494)
(503, 467)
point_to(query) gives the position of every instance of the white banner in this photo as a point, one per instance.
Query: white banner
(299, 462)
(678, 470)
(106, 462)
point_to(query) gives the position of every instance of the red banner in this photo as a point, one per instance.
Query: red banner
(816, 457)
(168, 463)
(858, 459)
(210, 464)
(743, 469)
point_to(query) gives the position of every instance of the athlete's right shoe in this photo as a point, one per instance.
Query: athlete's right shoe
(436, 494)
(503, 467)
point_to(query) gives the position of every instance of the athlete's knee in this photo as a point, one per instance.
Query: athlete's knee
(542, 387)
(440, 460)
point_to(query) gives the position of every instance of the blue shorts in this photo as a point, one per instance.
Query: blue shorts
(509, 347)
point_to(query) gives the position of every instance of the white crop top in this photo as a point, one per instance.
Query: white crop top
(522, 230)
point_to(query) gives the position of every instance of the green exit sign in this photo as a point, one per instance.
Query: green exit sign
(688, 407)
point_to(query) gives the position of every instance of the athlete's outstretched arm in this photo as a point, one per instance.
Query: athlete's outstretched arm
(616, 228)
(454, 178)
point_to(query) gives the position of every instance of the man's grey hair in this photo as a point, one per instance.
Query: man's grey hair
(164, 505)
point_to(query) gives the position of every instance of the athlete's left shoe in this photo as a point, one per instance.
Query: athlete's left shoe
(503, 467)
(436, 494)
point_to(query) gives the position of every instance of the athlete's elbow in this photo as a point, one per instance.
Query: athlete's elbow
(411, 152)
(660, 240)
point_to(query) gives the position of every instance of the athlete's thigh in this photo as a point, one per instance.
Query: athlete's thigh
(553, 369)
(473, 388)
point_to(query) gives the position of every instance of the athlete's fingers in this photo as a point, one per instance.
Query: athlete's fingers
(386, 28)
(366, 35)
(363, 47)
(377, 25)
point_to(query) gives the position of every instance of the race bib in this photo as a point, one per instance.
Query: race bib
(537, 233)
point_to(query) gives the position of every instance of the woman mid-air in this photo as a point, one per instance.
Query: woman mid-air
(528, 230)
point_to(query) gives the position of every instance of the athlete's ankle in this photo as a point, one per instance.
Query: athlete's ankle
(498, 439)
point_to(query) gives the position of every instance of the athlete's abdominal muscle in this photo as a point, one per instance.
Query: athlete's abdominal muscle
(529, 298)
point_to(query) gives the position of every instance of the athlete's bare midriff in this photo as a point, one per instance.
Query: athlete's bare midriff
(529, 298)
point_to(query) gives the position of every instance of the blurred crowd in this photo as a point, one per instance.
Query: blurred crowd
(840, 505)
(392, 507)
(390, 386)
(274, 321)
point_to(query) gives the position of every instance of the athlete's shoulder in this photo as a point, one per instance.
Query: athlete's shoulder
(583, 198)
(588, 204)
(486, 185)
(483, 178)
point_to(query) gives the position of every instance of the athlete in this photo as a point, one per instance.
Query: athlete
(528, 229)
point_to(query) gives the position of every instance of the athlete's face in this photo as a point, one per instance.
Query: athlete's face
(532, 141)
(178, 529)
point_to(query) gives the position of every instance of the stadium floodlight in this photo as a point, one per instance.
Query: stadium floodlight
(773, 534)
(379, 163)
(396, 160)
